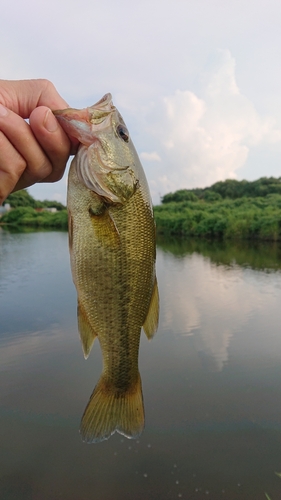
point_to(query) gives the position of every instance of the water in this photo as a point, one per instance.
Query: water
(211, 379)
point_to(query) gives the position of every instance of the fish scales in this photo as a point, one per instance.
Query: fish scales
(123, 294)
(112, 249)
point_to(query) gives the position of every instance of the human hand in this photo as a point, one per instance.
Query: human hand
(34, 152)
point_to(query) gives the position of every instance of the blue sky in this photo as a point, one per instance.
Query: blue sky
(198, 82)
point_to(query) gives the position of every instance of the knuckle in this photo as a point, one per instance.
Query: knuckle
(3, 143)
(43, 170)
(11, 162)
(10, 175)
(57, 174)
(48, 88)
(16, 171)
(2, 140)
(46, 84)
(3, 194)
(20, 166)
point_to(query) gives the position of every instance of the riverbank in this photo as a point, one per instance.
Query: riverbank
(229, 210)
(29, 217)
(234, 210)
(25, 211)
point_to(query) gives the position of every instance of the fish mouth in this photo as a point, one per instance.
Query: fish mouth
(93, 113)
(84, 123)
(71, 114)
(104, 102)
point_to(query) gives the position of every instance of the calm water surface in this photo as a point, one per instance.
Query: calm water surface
(211, 379)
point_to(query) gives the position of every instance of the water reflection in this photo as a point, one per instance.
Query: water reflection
(211, 379)
(258, 255)
(212, 302)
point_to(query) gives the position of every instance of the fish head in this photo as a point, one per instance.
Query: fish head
(106, 161)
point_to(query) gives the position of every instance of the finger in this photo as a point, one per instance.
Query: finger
(52, 139)
(22, 141)
(12, 165)
(23, 96)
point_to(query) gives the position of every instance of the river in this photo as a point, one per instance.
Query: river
(211, 378)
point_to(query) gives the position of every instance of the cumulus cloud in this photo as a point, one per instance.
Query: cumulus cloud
(208, 138)
(153, 156)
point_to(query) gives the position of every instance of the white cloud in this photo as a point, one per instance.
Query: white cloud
(153, 156)
(206, 139)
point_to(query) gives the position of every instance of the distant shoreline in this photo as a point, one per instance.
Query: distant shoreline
(28, 217)
(231, 210)
(243, 219)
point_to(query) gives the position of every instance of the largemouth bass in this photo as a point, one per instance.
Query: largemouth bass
(112, 251)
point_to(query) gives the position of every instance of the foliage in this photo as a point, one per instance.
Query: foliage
(27, 216)
(230, 210)
(50, 204)
(230, 188)
(24, 212)
(23, 199)
(181, 195)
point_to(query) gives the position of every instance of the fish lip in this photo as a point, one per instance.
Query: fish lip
(84, 114)
(107, 98)
(71, 114)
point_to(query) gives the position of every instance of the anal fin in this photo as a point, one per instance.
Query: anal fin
(151, 322)
(87, 334)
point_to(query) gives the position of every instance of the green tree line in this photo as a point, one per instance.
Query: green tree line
(230, 188)
(228, 209)
(24, 212)
(24, 199)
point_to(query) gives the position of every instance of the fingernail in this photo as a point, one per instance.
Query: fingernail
(3, 110)
(50, 122)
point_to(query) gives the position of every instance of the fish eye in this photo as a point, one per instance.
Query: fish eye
(123, 133)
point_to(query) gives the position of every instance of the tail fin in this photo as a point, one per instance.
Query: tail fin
(109, 411)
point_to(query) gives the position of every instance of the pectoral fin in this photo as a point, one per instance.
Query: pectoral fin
(106, 231)
(151, 323)
(87, 334)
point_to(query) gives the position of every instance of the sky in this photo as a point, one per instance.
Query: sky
(198, 82)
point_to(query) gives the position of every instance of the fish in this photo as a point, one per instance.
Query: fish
(112, 245)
